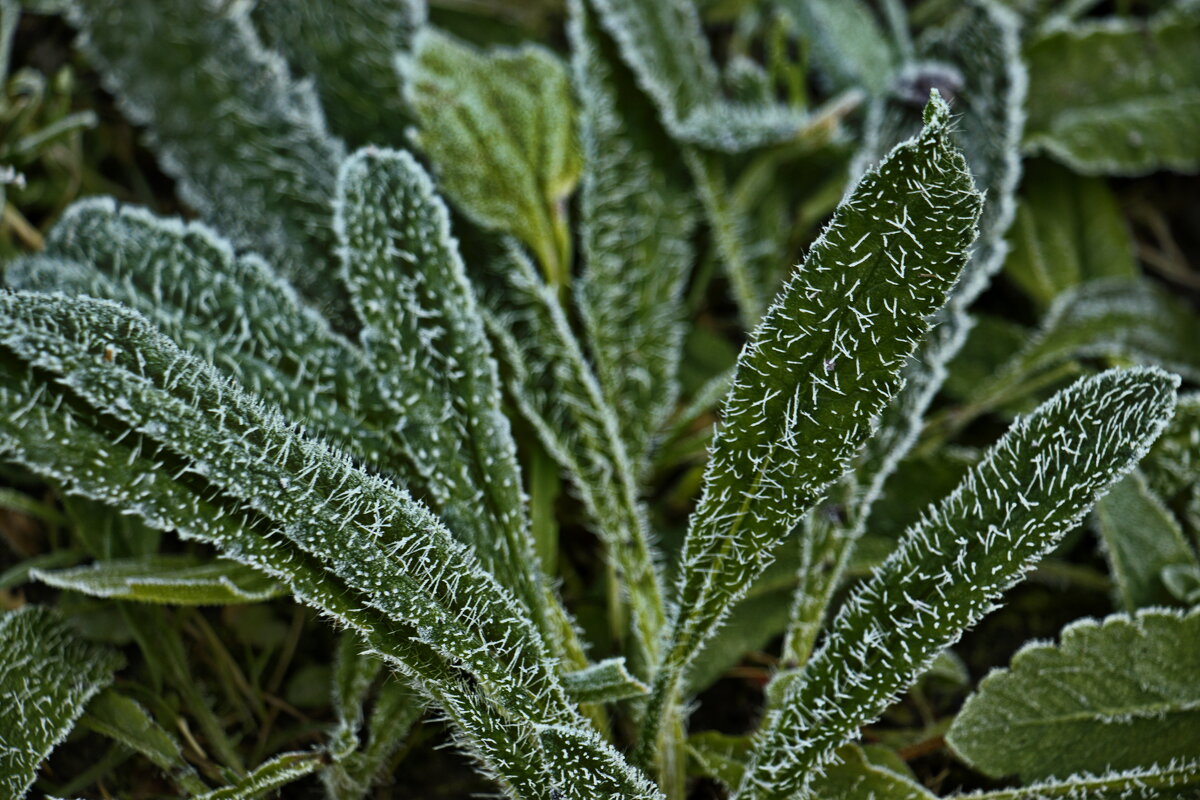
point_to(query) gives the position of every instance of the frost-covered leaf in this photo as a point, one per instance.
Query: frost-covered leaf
(848, 44)
(231, 309)
(1172, 467)
(246, 143)
(348, 48)
(500, 128)
(269, 777)
(1178, 778)
(1034, 485)
(556, 389)
(664, 44)
(1141, 539)
(1069, 229)
(1116, 694)
(47, 677)
(1118, 96)
(175, 580)
(824, 361)
(425, 338)
(121, 719)
(603, 682)
(636, 222)
(238, 475)
(859, 776)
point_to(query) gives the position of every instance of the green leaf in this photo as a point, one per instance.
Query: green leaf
(499, 126)
(47, 676)
(1069, 229)
(174, 580)
(1118, 96)
(1033, 486)
(603, 682)
(636, 225)
(1141, 539)
(425, 339)
(1174, 779)
(663, 44)
(265, 173)
(121, 719)
(269, 776)
(348, 48)
(822, 364)
(857, 776)
(848, 44)
(1172, 467)
(1115, 694)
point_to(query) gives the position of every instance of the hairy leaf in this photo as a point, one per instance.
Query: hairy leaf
(603, 682)
(1119, 96)
(952, 565)
(1173, 463)
(264, 172)
(500, 128)
(47, 677)
(848, 45)
(1117, 694)
(1068, 230)
(348, 48)
(824, 361)
(636, 224)
(663, 43)
(269, 777)
(1141, 539)
(1174, 779)
(175, 580)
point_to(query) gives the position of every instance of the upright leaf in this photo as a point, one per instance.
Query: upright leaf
(263, 170)
(348, 48)
(500, 128)
(47, 677)
(824, 361)
(848, 44)
(1117, 694)
(1035, 484)
(1119, 96)
(636, 226)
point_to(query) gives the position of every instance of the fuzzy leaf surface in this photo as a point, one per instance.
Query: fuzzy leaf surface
(848, 44)
(1177, 778)
(603, 682)
(1115, 694)
(1119, 96)
(175, 580)
(121, 719)
(47, 677)
(264, 173)
(951, 566)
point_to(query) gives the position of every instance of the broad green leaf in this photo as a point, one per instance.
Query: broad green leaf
(1033, 486)
(636, 225)
(858, 776)
(1172, 466)
(269, 777)
(1178, 778)
(848, 44)
(47, 676)
(1141, 539)
(283, 503)
(500, 129)
(1117, 96)
(348, 48)
(246, 143)
(603, 682)
(174, 580)
(423, 335)
(121, 719)
(822, 364)
(1115, 694)
(1068, 230)
(719, 755)
(664, 45)
(233, 310)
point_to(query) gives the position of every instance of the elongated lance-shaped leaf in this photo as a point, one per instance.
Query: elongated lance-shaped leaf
(354, 672)
(47, 677)
(603, 682)
(663, 43)
(424, 336)
(263, 170)
(499, 127)
(1118, 96)
(636, 226)
(1141, 539)
(348, 48)
(823, 362)
(270, 776)
(383, 554)
(1035, 484)
(555, 388)
(175, 580)
(1177, 778)
(396, 708)
(848, 44)
(232, 309)
(1115, 694)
